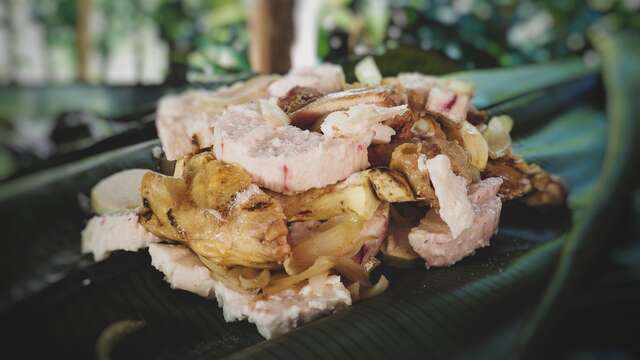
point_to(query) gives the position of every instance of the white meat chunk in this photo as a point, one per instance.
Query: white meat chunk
(273, 316)
(361, 119)
(433, 241)
(115, 231)
(451, 191)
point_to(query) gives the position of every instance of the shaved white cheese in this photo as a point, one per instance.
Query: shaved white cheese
(422, 163)
(455, 208)
(367, 72)
(272, 114)
(382, 134)
(416, 81)
(359, 119)
(244, 195)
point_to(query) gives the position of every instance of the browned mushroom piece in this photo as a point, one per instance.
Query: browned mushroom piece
(314, 111)
(421, 125)
(477, 117)
(297, 98)
(530, 182)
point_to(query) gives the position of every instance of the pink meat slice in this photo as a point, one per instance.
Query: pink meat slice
(432, 239)
(286, 159)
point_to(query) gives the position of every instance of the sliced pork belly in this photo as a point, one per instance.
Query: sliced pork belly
(115, 231)
(325, 78)
(184, 121)
(273, 316)
(285, 158)
(433, 241)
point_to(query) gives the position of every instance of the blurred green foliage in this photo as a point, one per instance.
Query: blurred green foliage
(208, 39)
(479, 33)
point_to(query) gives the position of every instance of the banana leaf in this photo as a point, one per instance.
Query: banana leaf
(498, 303)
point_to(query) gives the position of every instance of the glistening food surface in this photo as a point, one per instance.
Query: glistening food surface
(276, 211)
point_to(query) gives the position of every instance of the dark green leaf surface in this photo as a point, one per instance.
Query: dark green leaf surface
(64, 304)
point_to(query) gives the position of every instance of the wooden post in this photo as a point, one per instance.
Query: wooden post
(271, 35)
(83, 40)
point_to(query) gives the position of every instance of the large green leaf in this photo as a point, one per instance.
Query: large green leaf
(55, 302)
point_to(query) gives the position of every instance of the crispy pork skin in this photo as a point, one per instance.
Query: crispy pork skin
(433, 241)
(286, 159)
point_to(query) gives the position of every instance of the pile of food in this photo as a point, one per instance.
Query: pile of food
(288, 191)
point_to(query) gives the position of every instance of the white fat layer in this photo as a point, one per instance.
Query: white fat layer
(273, 316)
(455, 208)
(359, 119)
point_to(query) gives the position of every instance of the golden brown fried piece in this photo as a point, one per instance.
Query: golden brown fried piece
(535, 186)
(216, 220)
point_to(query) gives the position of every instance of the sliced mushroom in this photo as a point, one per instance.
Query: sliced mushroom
(314, 111)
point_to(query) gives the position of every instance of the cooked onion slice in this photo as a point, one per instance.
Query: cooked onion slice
(119, 191)
(321, 265)
(272, 113)
(380, 287)
(497, 136)
(253, 278)
(336, 237)
(367, 72)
